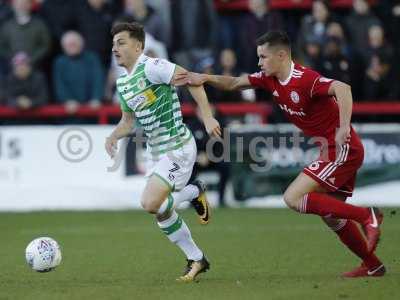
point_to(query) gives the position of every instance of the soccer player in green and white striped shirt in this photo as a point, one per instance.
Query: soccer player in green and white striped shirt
(147, 95)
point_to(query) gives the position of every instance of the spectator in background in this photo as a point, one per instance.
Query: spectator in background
(335, 30)
(228, 67)
(259, 20)
(194, 31)
(5, 11)
(78, 75)
(334, 62)
(24, 33)
(148, 17)
(25, 88)
(378, 75)
(395, 33)
(2, 89)
(312, 56)
(59, 16)
(163, 8)
(5, 14)
(390, 16)
(313, 27)
(94, 19)
(395, 24)
(358, 24)
(229, 21)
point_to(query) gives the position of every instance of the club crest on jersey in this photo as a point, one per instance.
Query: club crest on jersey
(314, 165)
(294, 96)
(141, 83)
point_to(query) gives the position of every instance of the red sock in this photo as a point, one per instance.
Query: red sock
(351, 236)
(325, 205)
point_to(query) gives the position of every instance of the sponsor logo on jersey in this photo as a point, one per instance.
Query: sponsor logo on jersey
(135, 101)
(291, 111)
(294, 96)
(150, 96)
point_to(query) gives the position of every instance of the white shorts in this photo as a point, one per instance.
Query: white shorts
(174, 167)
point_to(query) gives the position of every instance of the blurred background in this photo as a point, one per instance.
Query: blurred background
(57, 95)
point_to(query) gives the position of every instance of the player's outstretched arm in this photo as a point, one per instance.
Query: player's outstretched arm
(200, 96)
(123, 129)
(220, 82)
(342, 93)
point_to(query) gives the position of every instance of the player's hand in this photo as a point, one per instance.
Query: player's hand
(180, 78)
(196, 79)
(111, 146)
(212, 127)
(342, 135)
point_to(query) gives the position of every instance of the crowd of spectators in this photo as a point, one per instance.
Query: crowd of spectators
(59, 52)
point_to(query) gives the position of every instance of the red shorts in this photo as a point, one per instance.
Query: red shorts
(336, 169)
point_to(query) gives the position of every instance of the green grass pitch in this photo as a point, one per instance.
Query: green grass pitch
(254, 254)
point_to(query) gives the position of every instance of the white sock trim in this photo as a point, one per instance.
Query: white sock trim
(303, 204)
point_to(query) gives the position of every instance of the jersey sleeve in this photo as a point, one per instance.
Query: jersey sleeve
(259, 80)
(159, 70)
(124, 106)
(320, 86)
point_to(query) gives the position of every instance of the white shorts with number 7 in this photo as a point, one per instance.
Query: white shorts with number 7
(174, 167)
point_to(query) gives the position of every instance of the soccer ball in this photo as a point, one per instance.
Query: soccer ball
(43, 254)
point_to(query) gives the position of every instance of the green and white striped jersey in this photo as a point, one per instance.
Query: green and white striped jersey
(147, 92)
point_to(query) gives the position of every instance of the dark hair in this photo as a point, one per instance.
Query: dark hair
(324, 3)
(275, 38)
(134, 29)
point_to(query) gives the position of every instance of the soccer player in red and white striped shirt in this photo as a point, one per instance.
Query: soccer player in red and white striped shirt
(320, 107)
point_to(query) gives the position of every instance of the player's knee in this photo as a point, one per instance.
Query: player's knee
(291, 201)
(149, 206)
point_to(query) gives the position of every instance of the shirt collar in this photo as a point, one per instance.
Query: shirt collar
(140, 59)
(286, 81)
